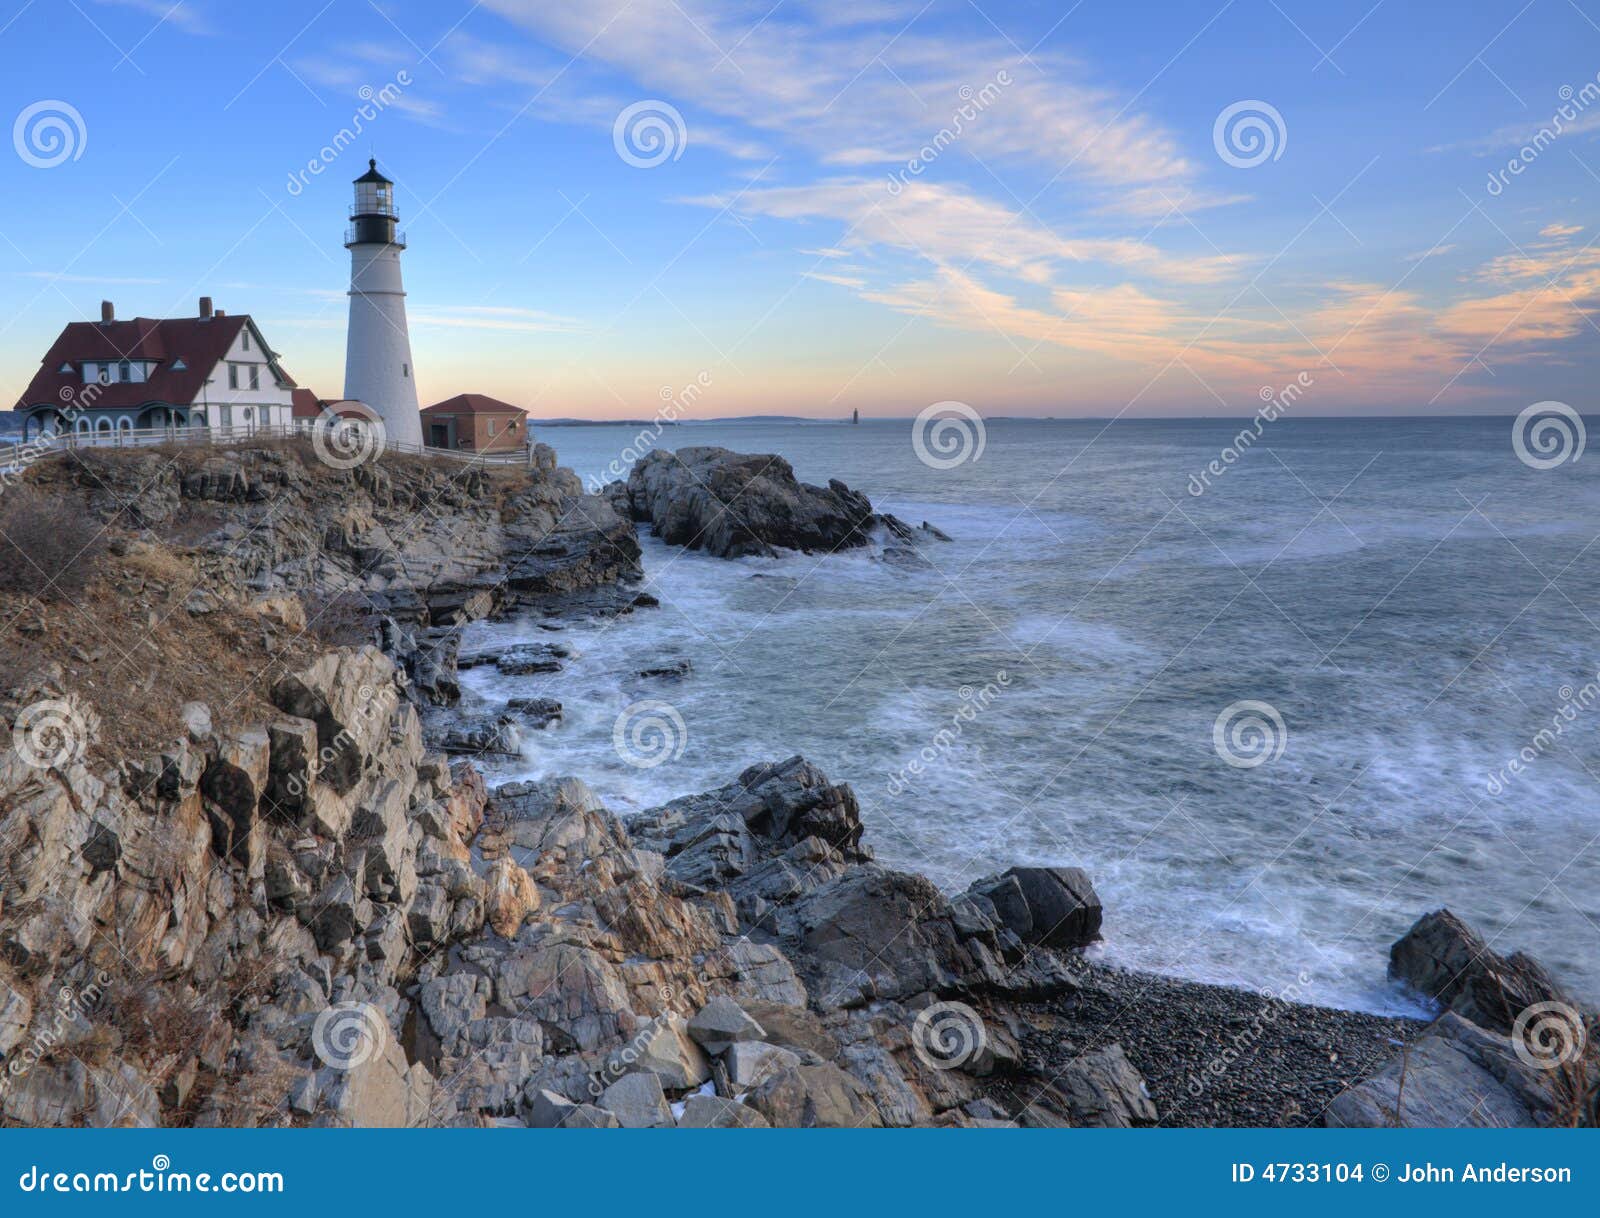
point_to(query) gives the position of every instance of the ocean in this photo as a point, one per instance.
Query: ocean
(1277, 713)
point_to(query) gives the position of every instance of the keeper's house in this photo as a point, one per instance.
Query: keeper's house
(475, 422)
(103, 377)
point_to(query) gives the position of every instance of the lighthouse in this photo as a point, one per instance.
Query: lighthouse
(377, 356)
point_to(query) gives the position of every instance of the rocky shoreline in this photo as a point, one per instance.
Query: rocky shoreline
(306, 907)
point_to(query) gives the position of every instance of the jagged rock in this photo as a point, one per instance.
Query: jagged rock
(291, 768)
(450, 1003)
(233, 785)
(509, 897)
(715, 1112)
(1447, 960)
(732, 504)
(720, 1023)
(747, 1064)
(588, 1116)
(380, 1091)
(1099, 1088)
(535, 712)
(670, 670)
(663, 1048)
(574, 992)
(881, 934)
(637, 1101)
(495, 734)
(15, 1012)
(1057, 906)
(1456, 1075)
(814, 1097)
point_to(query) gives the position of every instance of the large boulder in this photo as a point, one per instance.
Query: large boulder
(1057, 906)
(1448, 961)
(735, 504)
(815, 1097)
(1456, 1075)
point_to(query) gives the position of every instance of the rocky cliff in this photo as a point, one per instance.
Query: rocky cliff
(295, 909)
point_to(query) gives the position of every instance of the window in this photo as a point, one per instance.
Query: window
(244, 338)
(65, 368)
(255, 376)
(124, 372)
(103, 373)
(233, 376)
(179, 366)
(405, 369)
(491, 429)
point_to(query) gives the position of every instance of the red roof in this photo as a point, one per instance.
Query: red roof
(472, 403)
(305, 404)
(199, 342)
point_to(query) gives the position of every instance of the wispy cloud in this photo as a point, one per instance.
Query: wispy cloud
(60, 277)
(494, 317)
(182, 14)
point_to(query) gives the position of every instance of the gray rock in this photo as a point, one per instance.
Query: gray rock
(814, 1097)
(747, 1064)
(637, 1101)
(1100, 1089)
(715, 1112)
(1447, 960)
(733, 504)
(1456, 1075)
(663, 1048)
(720, 1023)
(1057, 906)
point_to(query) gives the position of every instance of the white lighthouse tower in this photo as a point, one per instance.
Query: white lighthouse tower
(377, 356)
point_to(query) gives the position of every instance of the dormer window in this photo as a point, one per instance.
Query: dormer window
(124, 371)
(179, 366)
(244, 338)
(103, 373)
(64, 368)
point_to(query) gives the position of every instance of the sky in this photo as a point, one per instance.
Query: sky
(1081, 208)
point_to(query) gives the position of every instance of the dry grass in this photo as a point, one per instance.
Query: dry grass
(129, 646)
(44, 552)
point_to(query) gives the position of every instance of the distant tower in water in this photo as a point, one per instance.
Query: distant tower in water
(855, 416)
(377, 355)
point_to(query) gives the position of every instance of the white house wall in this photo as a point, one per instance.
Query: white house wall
(222, 406)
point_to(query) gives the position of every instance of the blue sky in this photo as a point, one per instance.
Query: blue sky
(1079, 241)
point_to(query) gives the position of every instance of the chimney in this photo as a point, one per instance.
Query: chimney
(107, 313)
(205, 307)
(219, 313)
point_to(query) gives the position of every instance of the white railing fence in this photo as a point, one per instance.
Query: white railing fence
(17, 454)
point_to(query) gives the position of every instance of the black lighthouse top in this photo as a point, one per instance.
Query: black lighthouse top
(373, 215)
